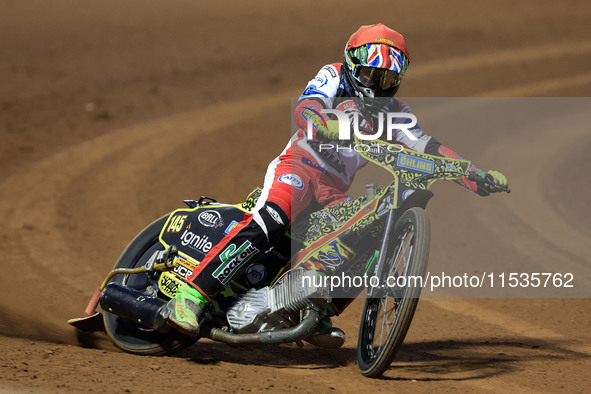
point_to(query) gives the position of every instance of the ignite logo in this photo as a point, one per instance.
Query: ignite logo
(198, 242)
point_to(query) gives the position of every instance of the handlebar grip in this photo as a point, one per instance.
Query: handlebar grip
(472, 176)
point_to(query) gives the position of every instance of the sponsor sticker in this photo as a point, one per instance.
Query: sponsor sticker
(407, 193)
(252, 199)
(233, 258)
(211, 219)
(293, 180)
(389, 42)
(168, 284)
(274, 214)
(170, 281)
(333, 255)
(322, 80)
(200, 243)
(331, 70)
(233, 224)
(415, 163)
(256, 273)
(184, 268)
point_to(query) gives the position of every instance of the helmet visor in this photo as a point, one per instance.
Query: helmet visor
(372, 77)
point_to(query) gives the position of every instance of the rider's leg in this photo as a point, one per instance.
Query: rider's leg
(259, 231)
(281, 200)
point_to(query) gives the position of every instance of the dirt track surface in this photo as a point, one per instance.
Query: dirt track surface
(113, 112)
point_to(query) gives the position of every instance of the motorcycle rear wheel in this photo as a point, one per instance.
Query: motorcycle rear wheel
(126, 334)
(388, 313)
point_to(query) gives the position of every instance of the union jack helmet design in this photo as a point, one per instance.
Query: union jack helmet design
(378, 56)
(376, 59)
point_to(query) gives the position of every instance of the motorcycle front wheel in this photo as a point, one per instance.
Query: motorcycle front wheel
(389, 310)
(124, 333)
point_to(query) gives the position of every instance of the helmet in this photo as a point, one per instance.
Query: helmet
(376, 59)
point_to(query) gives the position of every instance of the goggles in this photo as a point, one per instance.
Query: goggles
(381, 77)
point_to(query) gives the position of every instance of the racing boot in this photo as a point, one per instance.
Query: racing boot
(326, 336)
(183, 311)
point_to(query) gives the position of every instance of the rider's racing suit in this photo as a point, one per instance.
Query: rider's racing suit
(301, 174)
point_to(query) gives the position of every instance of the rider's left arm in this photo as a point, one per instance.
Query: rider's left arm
(426, 144)
(435, 148)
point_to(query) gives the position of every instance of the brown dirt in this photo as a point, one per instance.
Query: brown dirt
(112, 112)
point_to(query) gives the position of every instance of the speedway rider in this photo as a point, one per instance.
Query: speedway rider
(376, 59)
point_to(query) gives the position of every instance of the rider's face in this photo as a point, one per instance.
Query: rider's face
(377, 78)
(379, 92)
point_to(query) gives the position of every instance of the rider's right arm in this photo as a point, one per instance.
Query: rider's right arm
(319, 94)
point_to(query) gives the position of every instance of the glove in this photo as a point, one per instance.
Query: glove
(493, 177)
(331, 131)
(496, 178)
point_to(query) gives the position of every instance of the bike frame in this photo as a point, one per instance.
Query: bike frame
(413, 174)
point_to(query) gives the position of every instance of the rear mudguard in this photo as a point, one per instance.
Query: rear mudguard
(195, 231)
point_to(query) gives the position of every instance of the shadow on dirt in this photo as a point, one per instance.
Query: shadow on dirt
(291, 356)
(421, 361)
(474, 359)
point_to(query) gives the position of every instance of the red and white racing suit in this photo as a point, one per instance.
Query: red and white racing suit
(301, 174)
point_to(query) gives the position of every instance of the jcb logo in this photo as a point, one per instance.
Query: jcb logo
(183, 271)
(176, 223)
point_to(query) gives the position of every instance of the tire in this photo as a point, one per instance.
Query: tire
(126, 334)
(388, 313)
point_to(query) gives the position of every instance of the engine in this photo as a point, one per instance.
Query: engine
(279, 306)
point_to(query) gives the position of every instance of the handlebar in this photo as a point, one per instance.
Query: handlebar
(471, 175)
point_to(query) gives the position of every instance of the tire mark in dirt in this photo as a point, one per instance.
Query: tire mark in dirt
(489, 59)
(541, 87)
(529, 162)
(531, 208)
(511, 324)
(557, 245)
(534, 212)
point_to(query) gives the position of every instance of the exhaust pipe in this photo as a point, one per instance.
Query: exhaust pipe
(285, 335)
(133, 305)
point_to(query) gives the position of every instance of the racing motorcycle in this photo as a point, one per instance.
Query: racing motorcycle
(280, 296)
